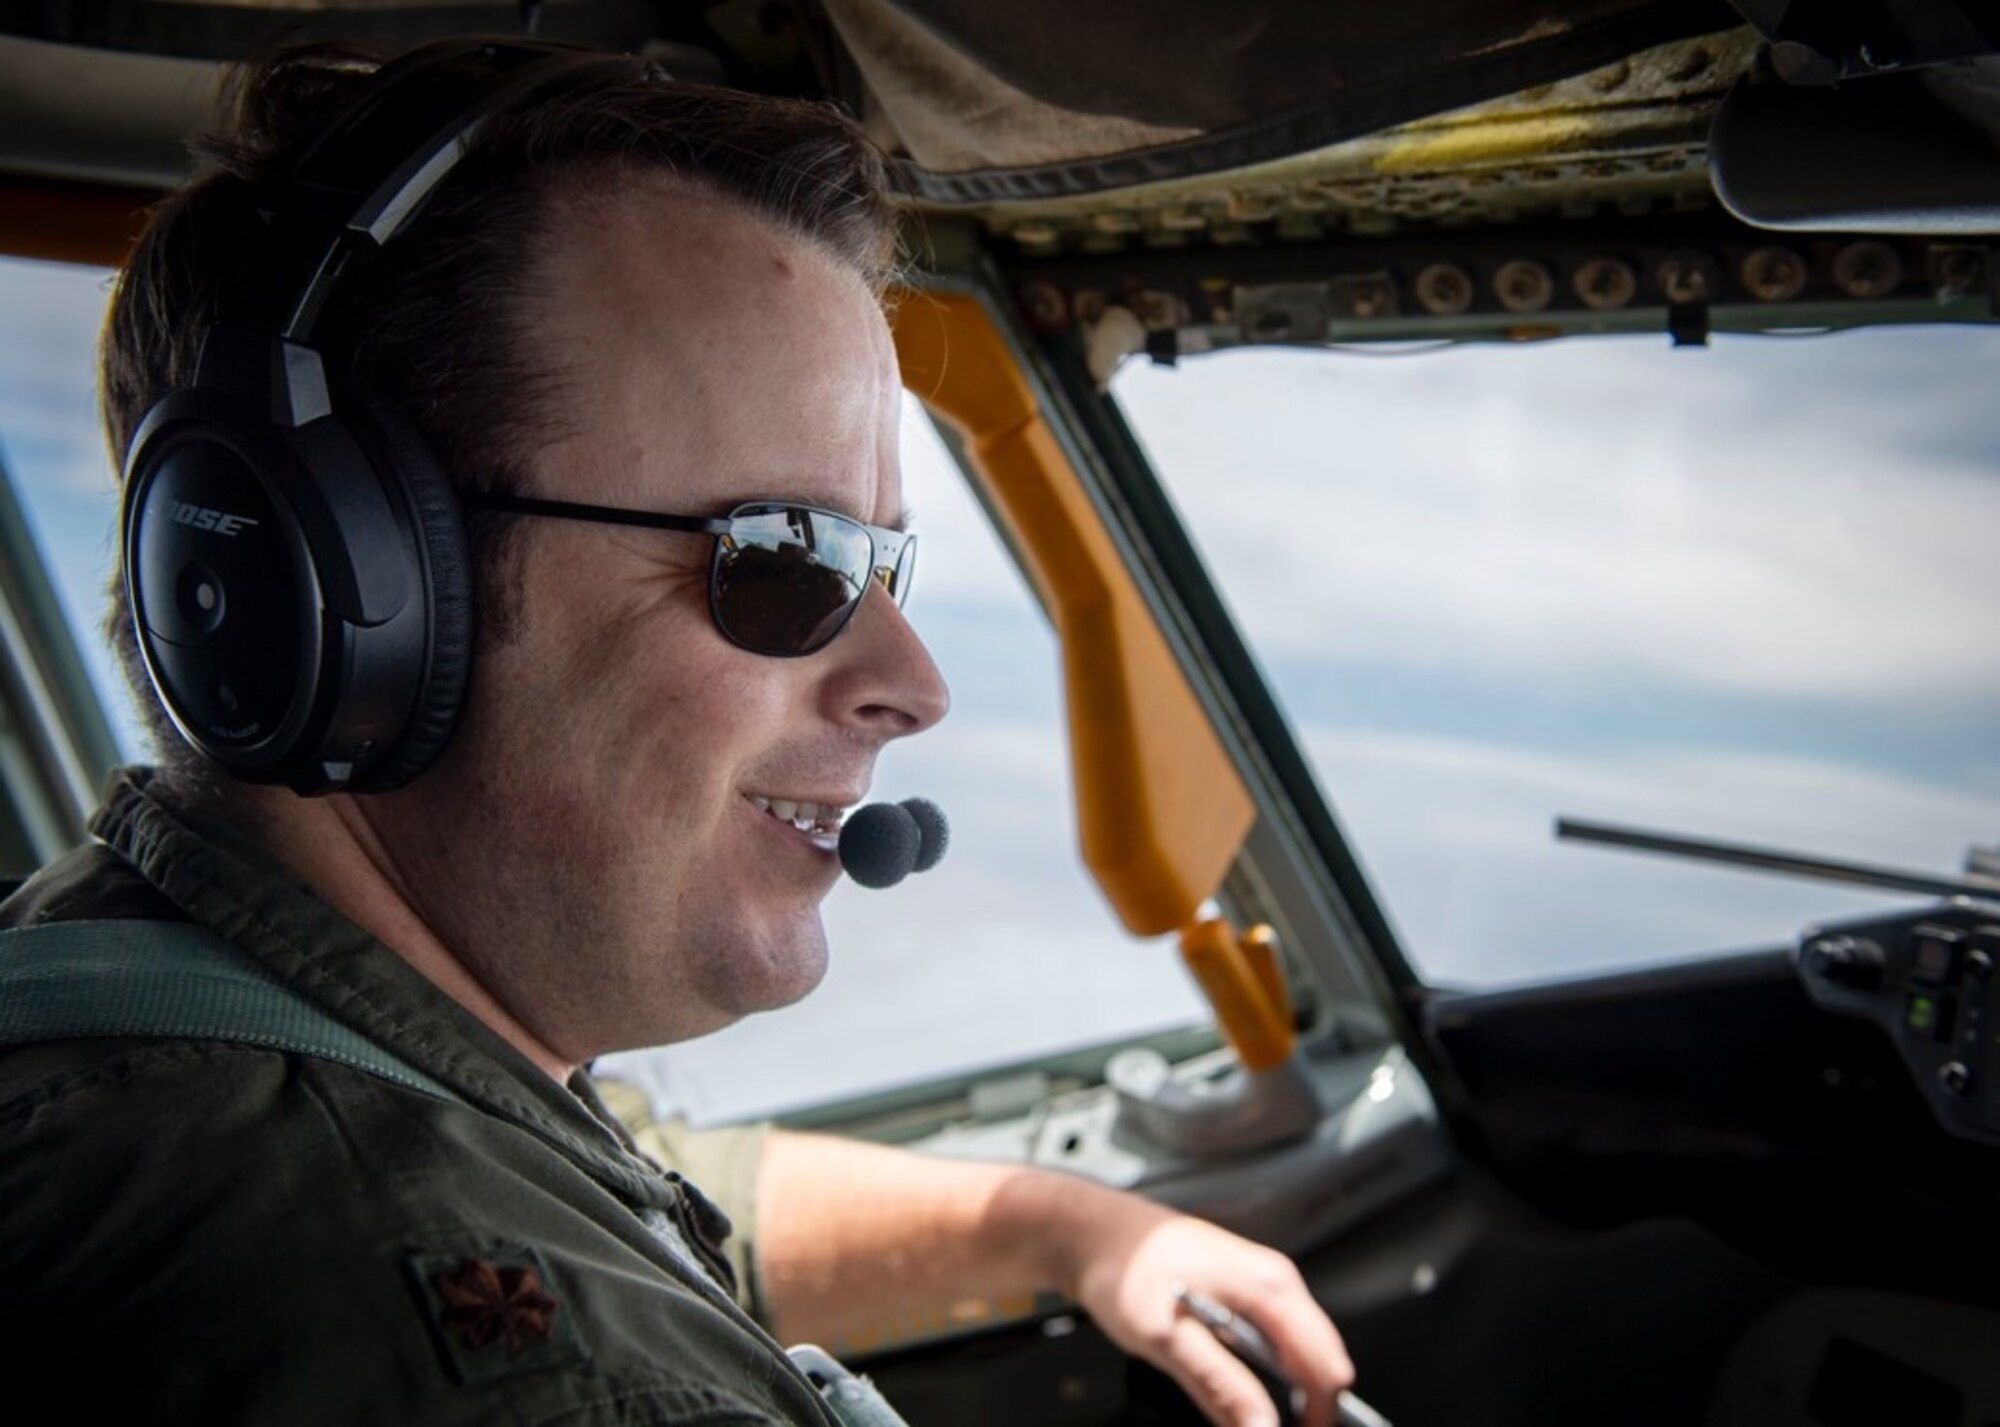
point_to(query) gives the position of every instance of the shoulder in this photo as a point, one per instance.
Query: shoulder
(247, 1236)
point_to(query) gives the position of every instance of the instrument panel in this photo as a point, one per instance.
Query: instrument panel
(1928, 980)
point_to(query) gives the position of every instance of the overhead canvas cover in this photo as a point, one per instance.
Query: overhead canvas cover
(1036, 99)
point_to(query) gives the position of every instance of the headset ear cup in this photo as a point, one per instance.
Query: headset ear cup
(440, 698)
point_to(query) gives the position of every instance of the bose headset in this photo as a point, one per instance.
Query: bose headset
(294, 557)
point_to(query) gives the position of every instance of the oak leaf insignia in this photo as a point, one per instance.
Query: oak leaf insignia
(488, 1303)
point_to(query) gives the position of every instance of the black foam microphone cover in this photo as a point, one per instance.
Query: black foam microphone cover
(936, 831)
(883, 843)
(879, 844)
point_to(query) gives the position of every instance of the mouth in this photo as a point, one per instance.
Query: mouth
(817, 822)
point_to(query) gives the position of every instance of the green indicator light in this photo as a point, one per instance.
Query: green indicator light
(1923, 1013)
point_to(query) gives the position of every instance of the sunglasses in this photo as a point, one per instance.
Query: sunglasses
(784, 579)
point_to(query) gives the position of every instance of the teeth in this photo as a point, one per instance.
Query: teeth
(822, 818)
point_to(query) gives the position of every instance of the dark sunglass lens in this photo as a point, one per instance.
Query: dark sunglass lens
(786, 579)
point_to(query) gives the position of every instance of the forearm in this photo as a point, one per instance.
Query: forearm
(856, 1239)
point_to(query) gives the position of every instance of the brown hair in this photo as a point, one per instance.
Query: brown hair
(434, 321)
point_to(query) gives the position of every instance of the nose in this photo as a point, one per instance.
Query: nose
(883, 679)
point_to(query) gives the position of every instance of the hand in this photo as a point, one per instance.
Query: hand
(1135, 1257)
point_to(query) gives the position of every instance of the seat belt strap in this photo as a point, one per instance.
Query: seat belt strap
(91, 979)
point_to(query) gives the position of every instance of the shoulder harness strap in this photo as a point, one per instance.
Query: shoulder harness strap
(91, 979)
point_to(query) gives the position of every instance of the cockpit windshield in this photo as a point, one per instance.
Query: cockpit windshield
(1742, 592)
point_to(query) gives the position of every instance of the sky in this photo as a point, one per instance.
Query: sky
(1743, 592)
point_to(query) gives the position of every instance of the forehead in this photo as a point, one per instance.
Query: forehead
(702, 353)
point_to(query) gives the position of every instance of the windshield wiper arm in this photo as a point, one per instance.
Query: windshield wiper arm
(1793, 864)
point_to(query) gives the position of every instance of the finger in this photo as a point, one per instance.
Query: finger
(1309, 1348)
(1226, 1391)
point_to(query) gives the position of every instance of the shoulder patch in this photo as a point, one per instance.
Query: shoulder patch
(495, 1313)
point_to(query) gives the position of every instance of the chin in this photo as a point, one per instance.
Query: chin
(775, 973)
(807, 973)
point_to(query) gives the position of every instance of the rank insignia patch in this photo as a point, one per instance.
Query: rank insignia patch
(495, 1313)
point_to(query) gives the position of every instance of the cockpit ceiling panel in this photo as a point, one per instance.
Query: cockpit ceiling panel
(1030, 100)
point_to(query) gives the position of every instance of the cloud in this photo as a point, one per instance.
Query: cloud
(1765, 518)
(48, 372)
(1458, 836)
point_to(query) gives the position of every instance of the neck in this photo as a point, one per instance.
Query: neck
(330, 843)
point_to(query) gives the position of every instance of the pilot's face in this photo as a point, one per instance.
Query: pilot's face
(599, 857)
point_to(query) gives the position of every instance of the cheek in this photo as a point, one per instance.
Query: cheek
(705, 724)
(674, 725)
(598, 705)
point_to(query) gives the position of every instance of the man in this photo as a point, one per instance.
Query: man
(631, 301)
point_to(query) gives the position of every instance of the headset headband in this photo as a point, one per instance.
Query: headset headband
(363, 182)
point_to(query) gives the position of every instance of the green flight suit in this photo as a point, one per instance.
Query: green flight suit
(204, 1232)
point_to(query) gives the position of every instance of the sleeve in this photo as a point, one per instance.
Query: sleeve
(722, 1164)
